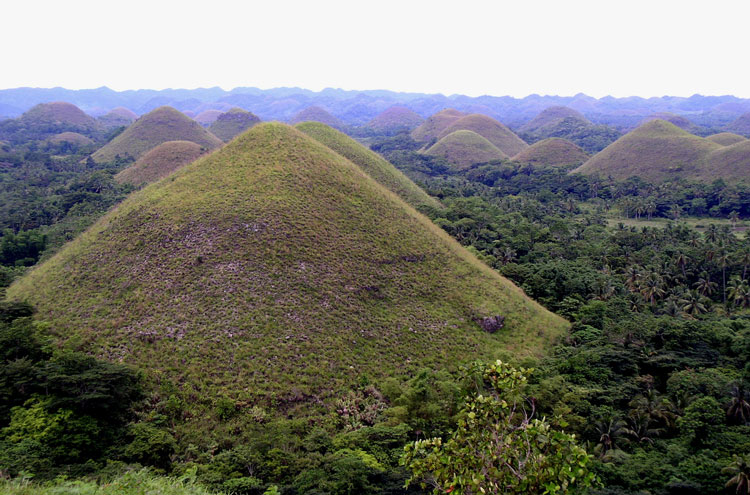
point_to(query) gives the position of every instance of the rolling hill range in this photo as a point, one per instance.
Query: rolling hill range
(567, 123)
(232, 123)
(490, 129)
(435, 124)
(659, 150)
(317, 114)
(741, 125)
(118, 117)
(396, 118)
(373, 164)
(553, 152)
(160, 162)
(726, 138)
(275, 272)
(156, 127)
(463, 148)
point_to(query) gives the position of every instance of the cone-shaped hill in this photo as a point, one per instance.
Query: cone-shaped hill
(490, 129)
(435, 124)
(160, 162)
(118, 117)
(726, 138)
(552, 152)
(208, 117)
(58, 117)
(550, 118)
(672, 118)
(156, 127)
(728, 162)
(373, 164)
(462, 149)
(71, 138)
(233, 123)
(395, 118)
(317, 114)
(741, 125)
(274, 272)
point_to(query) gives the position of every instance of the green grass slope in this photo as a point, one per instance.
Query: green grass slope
(728, 162)
(553, 152)
(726, 138)
(118, 117)
(233, 123)
(435, 124)
(317, 114)
(372, 163)
(551, 117)
(156, 127)
(396, 117)
(463, 148)
(71, 137)
(274, 272)
(490, 129)
(656, 151)
(741, 125)
(59, 115)
(160, 162)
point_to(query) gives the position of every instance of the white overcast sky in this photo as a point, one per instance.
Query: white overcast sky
(602, 47)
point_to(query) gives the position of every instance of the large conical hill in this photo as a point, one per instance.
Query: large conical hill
(490, 129)
(552, 152)
(233, 123)
(156, 127)
(730, 162)
(551, 117)
(118, 117)
(726, 138)
(463, 148)
(431, 128)
(160, 162)
(317, 114)
(57, 117)
(396, 118)
(372, 163)
(274, 271)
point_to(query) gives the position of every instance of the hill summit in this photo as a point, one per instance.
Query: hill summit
(160, 162)
(490, 129)
(741, 125)
(58, 117)
(396, 118)
(463, 148)
(232, 123)
(435, 124)
(552, 117)
(552, 152)
(118, 117)
(275, 272)
(156, 127)
(317, 114)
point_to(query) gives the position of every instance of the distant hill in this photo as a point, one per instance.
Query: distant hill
(232, 123)
(490, 129)
(567, 123)
(396, 118)
(160, 162)
(118, 117)
(553, 152)
(551, 117)
(463, 148)
(726, 138)
(276, 273)
(435, 124)
(207, 117)
(317, 114)
(728, 162)
(72, 138)
(741, 125)
(156, 127)
(372, 163)
(678, 120)
(656, 151)
(53, 118)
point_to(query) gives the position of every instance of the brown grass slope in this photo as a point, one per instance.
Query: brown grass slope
(117, 117)
(58, 113)
(729, 162)
(317, 114)
(678, 120)
(71, 137)
(463, 148)
(396, 117)
(233, 123)
(657, 150)
(551, 117)
(553, 152)
(726, 138)
(274, 268)
(490, 129)
(741, 125)
(156, 127)
(160, 162)
(207, 117)
(434, 125)
(373, 164)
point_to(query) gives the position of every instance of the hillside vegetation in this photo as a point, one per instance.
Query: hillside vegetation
(118, 117)
(156, 127)
(741, 125)
(373, 164)
(490, 129)
(463, 148)
(726, 138)
(435, 124)
(567, 123)
(396, 117)
(160, 162)
(71, 137)
(554, 152)
(233, 123)
(274, 272)
(317, 114)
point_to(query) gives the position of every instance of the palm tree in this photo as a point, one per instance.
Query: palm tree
(739, 292)
(651, 288)
(508, 255)
(609, 429)
(723, 261)
(650, 209)
(675, 212)
(682, 260)
(704, 285)
(745, 260)
(740, 471)
(692, 304)
(639, 428)
(633, 278)
(734, 217)
(739, 406)
(655, 407)
(712, 233)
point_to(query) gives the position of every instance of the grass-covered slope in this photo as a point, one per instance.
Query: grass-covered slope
(396, 117)
(372, 163)
(657, 150)
(160, 162)
(554, 152)
(726, 138)
(728, 162)
(72, 138)
(551, 117)
(58, 117)
(274, 271)
(463, 148)
(317, 114)
(208, 117)
(117, 117)
(233, 123)
(156, 127)
(678, 120)
(435, 124)
(490, 129)
(741, 125)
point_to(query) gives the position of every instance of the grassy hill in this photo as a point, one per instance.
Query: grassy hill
(434, 125)
(672, 118)
(276, 273)
(657, 150)
(554, 152)
(567, 123)
(317, 114)
(372, 163)
(728, 162)
(208, 117)
(72, 138)
(156, 127)
(160, 162)
(232, 123)
(726, 138)
(490, 129)
(741, 125)
(58, 117)
(551, 117)
(117, 117)
(465, 148)
(396, 117)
